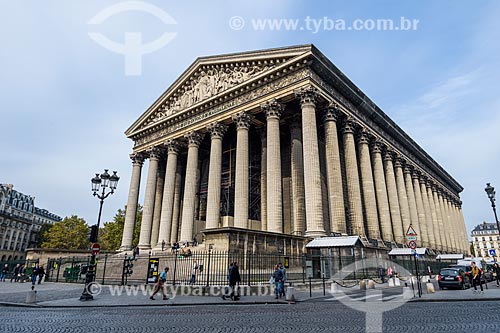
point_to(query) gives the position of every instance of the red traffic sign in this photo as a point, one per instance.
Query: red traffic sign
(96, 248)
(412, 245)
(411, 231)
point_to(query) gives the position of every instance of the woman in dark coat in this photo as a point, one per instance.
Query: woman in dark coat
(234, 278)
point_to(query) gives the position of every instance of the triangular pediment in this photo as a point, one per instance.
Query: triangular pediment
(211, 77)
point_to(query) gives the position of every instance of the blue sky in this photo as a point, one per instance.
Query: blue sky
(65, 100)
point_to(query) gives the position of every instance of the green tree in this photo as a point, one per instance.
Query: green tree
(110, 236)
(71, 233)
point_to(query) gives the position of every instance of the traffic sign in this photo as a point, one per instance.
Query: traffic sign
(413, 251)
(412, 245)
(411, 231)
(96, 248)
(411, 238)
(493, 253)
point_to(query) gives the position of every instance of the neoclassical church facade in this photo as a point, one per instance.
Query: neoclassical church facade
(263, 151)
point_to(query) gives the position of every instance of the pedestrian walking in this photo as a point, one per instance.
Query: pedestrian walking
(192, 281)
(41, 274)
(283, 271)
(476, 277)
(278, 281)
(381, 273)
(496, 273)
(15, 273)
(389, 272)
(160, 285)
(234, 281)
(34, 274)
(5, 271)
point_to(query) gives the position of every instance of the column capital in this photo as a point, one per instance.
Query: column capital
(137, 158)
(349, 125)
(194, 138)
(388, 155)
(332, 112)
(378, 146)
(172, 145)
(216, 130)
(272, 108)
(307, 95)
(408, 169)
(416, 174)
(242, 120)
(155, 153)
(398, 161)
(423, 180)
(364, 136)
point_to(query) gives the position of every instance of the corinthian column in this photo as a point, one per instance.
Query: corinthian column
(273, 111)
(149, 200)
(384, 211)
(403, 198)
(177, 205)
(392, 192)
(189, 202)
(433, 225)
(412, 202)
(312, 173)
(168, 193)
(442, 236)
(368, 187)
(263, 180)
(420, 209)
(297, 169)
(427, 207)
(451, 225)
(420, 197)
(242, 120)
(217, 131)
(334, 171)
(160, 182)
(352, 175)
(446, 224)
(133, 196)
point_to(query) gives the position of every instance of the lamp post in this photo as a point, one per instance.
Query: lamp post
(108, 184)
(490, 191)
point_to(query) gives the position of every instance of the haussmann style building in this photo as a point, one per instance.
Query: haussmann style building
(264, 151)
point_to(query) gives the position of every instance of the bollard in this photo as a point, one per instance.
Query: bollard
(362, 285)
(430, 288)
(371, 284)
(397, 282)
(289, 296)
(31, 297)
(391, 282)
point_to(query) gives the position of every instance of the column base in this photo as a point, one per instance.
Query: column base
(144, 247)
(125, 248)
(315, 233)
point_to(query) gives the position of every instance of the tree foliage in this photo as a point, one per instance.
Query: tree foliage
(110, 236)
(71, 233)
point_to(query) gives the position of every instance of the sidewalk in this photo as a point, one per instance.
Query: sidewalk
(62, 295)
(56, 295)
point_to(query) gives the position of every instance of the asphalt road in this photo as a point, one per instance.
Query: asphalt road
(322, 315)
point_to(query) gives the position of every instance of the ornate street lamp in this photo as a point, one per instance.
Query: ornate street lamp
(108, 184)
(490, 191)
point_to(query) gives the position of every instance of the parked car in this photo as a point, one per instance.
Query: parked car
(468, 270)
(453, 277)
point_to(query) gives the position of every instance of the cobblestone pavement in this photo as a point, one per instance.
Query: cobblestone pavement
(303, 317)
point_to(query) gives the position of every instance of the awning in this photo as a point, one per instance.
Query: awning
(407, 251)
(326, 242)
(450, 256)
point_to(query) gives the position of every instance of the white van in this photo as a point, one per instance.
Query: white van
(467, 262)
